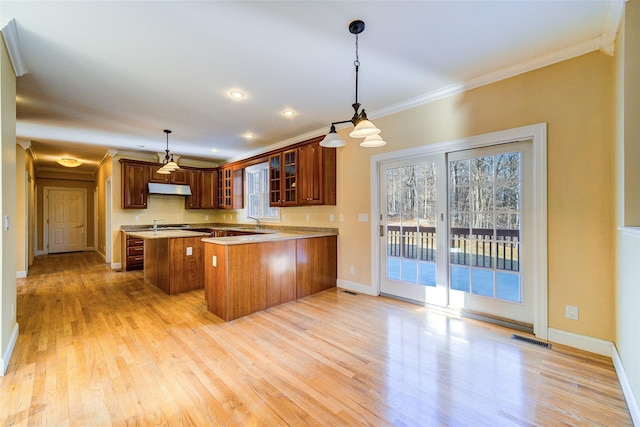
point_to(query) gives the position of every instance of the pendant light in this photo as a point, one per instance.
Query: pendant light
(168, 165)
(363, 127)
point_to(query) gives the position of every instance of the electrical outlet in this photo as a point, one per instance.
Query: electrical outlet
(331, 217)
(571, 312)
(352, 270)
(307, 218)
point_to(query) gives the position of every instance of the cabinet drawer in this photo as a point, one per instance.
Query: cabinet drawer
(135, 260)
(134, 241)
(135, 250)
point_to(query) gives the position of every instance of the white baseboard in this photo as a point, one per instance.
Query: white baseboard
(630, 397)
(21, 274)
(356, 287)
(116, 265)
(582, 342)
(38, 253)
(6, 356)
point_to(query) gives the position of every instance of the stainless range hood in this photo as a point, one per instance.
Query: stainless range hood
(170, 189)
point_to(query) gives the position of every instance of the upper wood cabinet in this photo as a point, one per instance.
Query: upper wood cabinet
(316, 175)
(230, 188)
(283, 177)
(203, 191)
(178, 176)
(135, 176)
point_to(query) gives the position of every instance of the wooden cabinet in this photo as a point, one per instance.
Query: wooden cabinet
(208, 182)
(178, 176)
(203, 191)
(132, 254)
(316, 175)
(134, 184)
(175, 265)
(230, 188)
(283, 176)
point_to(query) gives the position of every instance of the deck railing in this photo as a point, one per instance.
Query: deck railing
(476, 246)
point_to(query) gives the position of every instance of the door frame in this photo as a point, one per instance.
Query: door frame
(45, 215)
(537, 133)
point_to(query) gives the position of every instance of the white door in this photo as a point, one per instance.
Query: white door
(66, 220)
(490, 229)
(413, 232)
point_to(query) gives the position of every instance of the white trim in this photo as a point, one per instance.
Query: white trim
(629, 395)
(582, 342)
(6, 357)
(116, 265)
(12, 42)
(611, 26)
(630, 231)
(538, 134)
(356, 287)
(21, 274)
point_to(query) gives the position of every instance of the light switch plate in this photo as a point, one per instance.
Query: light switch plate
(363, 217)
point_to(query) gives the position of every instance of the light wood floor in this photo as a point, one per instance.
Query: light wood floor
(98, 347)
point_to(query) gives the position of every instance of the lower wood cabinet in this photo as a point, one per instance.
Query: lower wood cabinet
(132, 255)
(175, 265)
(243, 279)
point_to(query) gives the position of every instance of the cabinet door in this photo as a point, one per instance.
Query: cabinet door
(283, 176)
(179, 176)
(134, 185)
(208, 189)
(193, 201)
(311, 174)
(154, 176)
(225, 188)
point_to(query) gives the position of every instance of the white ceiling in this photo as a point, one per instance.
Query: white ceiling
(114, 74)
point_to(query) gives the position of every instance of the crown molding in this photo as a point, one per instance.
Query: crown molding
(611, 27)
(24, 143)
(505, 73)
(11, 40)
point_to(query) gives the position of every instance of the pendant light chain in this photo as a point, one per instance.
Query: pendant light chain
(356, 64)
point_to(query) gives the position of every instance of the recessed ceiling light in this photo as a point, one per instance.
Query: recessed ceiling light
(288, 113)
(214, 150)
(249, 135)
(236, 94)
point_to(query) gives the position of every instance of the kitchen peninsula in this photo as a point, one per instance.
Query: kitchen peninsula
(246, 274)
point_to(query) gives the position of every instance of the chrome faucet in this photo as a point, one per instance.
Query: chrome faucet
(155, 224)
(256, 220)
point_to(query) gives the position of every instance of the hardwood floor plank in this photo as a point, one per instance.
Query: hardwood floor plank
(101, 347)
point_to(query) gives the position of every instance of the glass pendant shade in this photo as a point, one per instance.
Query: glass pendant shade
(171, 166)
(373, 141)
(332, 140)
(163, 171)
(364, 129)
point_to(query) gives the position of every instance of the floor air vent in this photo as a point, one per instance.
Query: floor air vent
(350, 292)
(531, 341)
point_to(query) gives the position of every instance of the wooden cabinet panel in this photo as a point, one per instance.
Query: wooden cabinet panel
(316, 269)
(134, 184)
(280, 258)
(208, 189)
(215, 278)
(193, 201)
(317, 175)
(186, 271)
(246, 273)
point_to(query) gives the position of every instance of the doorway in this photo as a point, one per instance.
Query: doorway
(462, 225)
(65, 220)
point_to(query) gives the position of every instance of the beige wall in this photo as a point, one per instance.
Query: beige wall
(21, 211)
(627, 203)
(8, 326)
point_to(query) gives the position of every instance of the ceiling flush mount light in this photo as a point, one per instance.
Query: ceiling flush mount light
(168, 165)
(68, 162)
(363, 127)
(236, 94)
(288, 113)
(249, 135)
